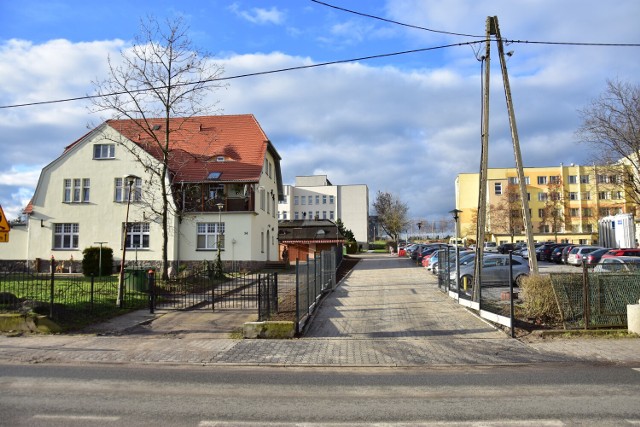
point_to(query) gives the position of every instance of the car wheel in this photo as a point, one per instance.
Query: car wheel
(466, 283)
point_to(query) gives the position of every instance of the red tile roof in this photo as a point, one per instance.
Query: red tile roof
(197, 142)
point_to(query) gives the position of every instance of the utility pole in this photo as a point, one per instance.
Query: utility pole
(484, 159)
(526, 216)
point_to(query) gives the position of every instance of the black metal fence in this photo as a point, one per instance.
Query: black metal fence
(496, 301)
(312, 279)
(69, 298)
(201, 290)
(64, 297)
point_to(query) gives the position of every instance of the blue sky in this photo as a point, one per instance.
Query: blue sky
(407, 124)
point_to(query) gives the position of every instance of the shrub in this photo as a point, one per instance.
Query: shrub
(539, 298)
(91, 261)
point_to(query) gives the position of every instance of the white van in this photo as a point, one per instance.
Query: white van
(491, 247)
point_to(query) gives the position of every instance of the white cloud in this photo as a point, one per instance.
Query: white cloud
(258, 15)
(404, 130)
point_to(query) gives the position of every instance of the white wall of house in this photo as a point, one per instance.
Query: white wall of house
(16, 247)
(99, 217)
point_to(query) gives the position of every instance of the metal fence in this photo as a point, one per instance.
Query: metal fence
(65, 297)
(496, 302)
(201, 290)
(595, 299)
(314, 277)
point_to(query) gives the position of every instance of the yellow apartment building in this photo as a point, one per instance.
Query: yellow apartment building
(565, 202)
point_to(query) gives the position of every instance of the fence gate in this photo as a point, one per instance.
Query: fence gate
(252, 291)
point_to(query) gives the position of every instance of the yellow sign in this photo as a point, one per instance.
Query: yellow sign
(4, 227)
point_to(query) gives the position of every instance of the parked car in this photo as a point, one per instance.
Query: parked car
(544, 253)
(495, 271)
(490, 247)
(556, 253)
(452, 260)
(577, 253)
(594, 257)
(622, 252)
(565, 253)
(618, 264)
(426, 251)
(506, 247)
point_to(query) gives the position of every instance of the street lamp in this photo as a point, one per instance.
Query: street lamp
(130, 180)
(219, 206)
(456, 216)
(100, 259)
(218, 264)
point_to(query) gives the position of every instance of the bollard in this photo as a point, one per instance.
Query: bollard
(633, 318)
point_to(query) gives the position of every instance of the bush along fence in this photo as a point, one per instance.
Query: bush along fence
(592, 299)
(586, 299)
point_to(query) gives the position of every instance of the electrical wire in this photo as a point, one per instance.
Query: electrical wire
(394, 22)
(321, 64)
(239, 76)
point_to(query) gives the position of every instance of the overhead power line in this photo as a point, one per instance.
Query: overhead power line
(239, 76)
(321, 64)
(392, 21)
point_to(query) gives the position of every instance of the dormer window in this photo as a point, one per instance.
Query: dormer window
(214, 175)
(220, 159)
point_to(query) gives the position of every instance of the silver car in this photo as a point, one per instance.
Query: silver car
(495, 271)
(618, 264)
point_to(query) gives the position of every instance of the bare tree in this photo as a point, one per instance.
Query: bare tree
(553, 211)
(506, 215)
(611, 124)
(392, 214)
(161, 76)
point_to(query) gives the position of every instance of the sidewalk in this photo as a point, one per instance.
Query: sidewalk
(386, 312)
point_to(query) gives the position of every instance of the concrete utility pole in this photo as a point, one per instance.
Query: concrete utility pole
(484, 158)
(526, 216)
(492, 29)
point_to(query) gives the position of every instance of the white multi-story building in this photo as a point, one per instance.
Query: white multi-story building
(315, 197)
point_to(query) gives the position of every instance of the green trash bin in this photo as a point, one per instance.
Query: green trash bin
(136, 279)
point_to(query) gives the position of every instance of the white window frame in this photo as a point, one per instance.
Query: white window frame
(104, 151)
(66, 235)
(207, 234)
(139, 231)
(542, 180)
(121, 191)
(76, 190)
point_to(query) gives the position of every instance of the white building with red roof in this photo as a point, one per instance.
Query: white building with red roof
(224, 183)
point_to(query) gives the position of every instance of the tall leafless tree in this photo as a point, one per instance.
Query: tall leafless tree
(392, 214)
(162, 75)
(611, 125)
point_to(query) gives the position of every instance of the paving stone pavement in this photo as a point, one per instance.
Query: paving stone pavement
(386, 312)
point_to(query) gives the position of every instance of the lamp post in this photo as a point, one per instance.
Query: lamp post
(100, 259)
(218, 263)
(130, 180)
(456, 216)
